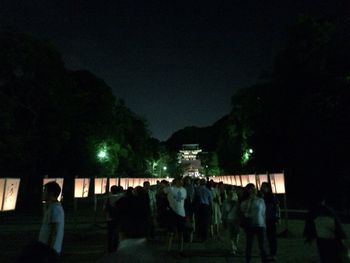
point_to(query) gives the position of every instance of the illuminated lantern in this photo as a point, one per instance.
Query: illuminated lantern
(100, 185)
(113, 181)
(261, 178)
(252, 179)
(57, 180)
(238, 180)
(277, 183)
(81, 187)
(233, 179)
(8, 193)
(244, 180)
(124, 183)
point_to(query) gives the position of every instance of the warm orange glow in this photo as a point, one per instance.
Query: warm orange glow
(113, 181)
(277, 183)
(261, 178)
(244, 180)
(81, 187)
(124, 183)
(252, 179)
(8, 193)
(100, 185)
(57, 180)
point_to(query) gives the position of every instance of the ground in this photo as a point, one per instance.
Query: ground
(85, 241)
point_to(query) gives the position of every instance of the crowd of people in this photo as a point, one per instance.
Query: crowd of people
(195, 209)
(190, 210)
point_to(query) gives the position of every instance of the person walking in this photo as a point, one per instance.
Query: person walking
(254, 222)
(230, 218)
(272, 218)
(112, 217)
(177, 217)
(323, 224)
(52, 228)
(203, 206)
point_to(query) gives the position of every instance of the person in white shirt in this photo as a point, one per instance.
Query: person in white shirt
(253, 210)
(176, 196)
(151, 196)
(52, 228)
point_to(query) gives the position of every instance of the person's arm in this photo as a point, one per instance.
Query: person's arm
(52, 234)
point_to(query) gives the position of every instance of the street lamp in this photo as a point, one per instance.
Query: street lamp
(247, 155)
(102, 153)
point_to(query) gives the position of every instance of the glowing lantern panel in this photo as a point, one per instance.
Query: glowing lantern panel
(8, 193)
(81, 187)
(244, 180)
(113, 181)
(261, 178)
(100, 185)
(252, 179)
(277, 183)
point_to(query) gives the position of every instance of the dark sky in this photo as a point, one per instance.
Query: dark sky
(176, 63)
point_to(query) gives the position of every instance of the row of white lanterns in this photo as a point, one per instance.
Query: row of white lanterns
(276, 180)
(9, 186)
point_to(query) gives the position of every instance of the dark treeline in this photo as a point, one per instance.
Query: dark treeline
(52, 121)
(296, 120)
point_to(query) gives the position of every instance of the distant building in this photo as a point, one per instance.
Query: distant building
(188, 157)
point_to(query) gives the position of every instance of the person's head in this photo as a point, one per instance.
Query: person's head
(250, 190)
(114, 189)
(129, 191)
(146, 185)
(231, 194)
(120, 189)
(177, 182)
(139, 191)
(187, 180)
(51, 192)
(265, 188)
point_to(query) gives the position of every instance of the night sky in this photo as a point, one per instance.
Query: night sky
(176, 63)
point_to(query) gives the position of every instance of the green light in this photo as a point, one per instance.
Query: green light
(246, 156)
(164, 168)
(102, 154)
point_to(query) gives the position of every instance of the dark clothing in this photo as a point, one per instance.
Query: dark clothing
(272, 216)
(134, 214)
(176, 222)
(162, 209)
(203, 215)
(112, 235)
(260, 233)
(323, 225)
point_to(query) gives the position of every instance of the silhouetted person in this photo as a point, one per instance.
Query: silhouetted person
(253, 209)
(112, 217)
(323, 225)
(52, 228)
(272, 217)
(133, 247)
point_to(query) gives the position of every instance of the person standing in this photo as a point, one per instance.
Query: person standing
(151, 197)
(52, 228)
(203, 204)
(323, 224)
(253, 210)
(177, 217)
(112, 217)
(230, 217)
(272, 218)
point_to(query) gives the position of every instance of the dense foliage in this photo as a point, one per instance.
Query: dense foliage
(53, 121)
